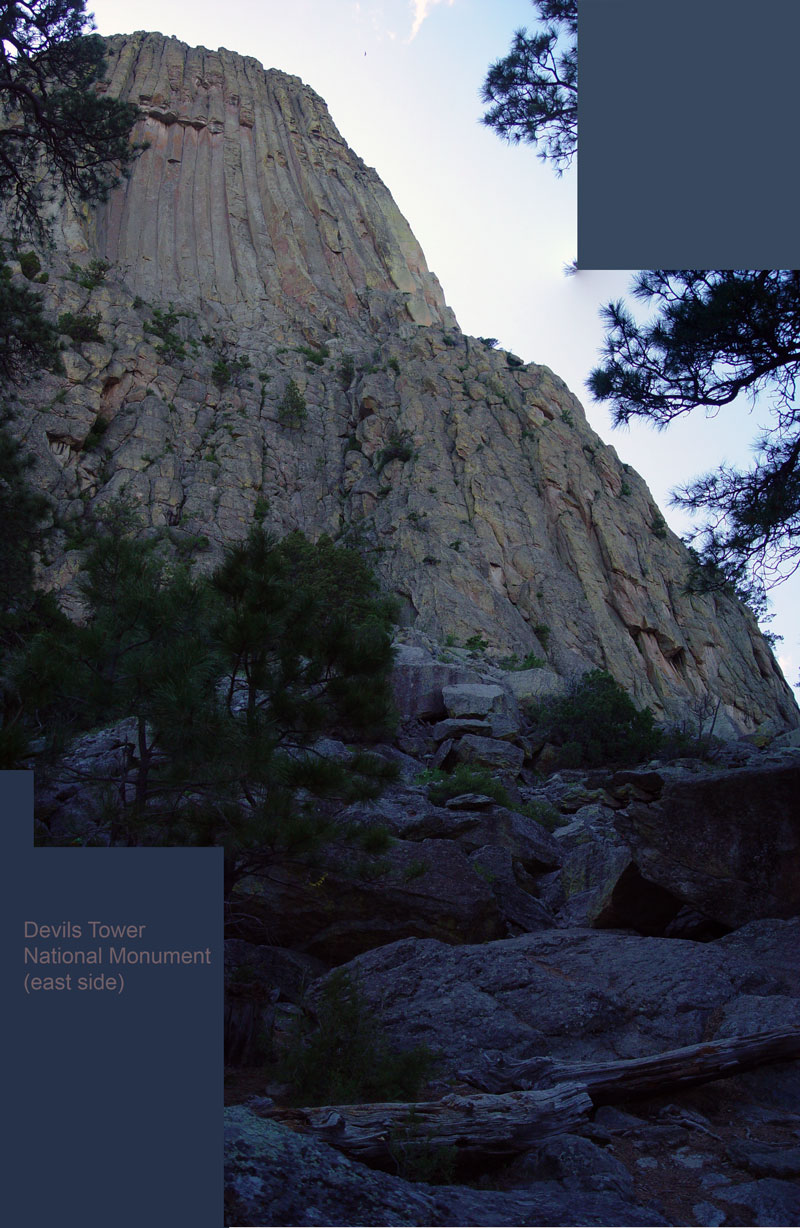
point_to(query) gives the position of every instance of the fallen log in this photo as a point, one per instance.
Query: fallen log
(485, 1125)
(503, 1122)
(607, 1082)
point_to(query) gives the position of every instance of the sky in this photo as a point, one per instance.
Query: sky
(402, 81)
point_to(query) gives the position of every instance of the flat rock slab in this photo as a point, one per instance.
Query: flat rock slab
(575, 995)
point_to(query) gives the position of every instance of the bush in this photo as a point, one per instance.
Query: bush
(346, 1059)
(80, 328)
(465, 778)
(597, 724)
(30, 265)
(164, 325)
(90, 277)
(292, 410)
(399, 447)
(347, 371)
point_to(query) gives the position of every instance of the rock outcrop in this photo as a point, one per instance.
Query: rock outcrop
(269, 343)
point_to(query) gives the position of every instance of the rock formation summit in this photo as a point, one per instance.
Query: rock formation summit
(264, 340)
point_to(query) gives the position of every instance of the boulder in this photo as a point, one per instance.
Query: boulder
(574, 995)
(514, 890)
(483, 701)
(725, 843)
(418, 679)
(489, 752)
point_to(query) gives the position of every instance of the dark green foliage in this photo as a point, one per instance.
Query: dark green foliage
(399, 447)
(515, 663)
(229, 369)
(307, 628)
(532, 93)
(27, 338)
(465, 778)
(476, 643)
(542, 633)
(23, 611)
(718, 334)
(229, 681)
(658, 525)
(165, 326)
(92, 276)
(347, 371)
(30, 265)
(292, 408)
(96, 433)
(317, 356)
(544, 814)
(80, 328)
(345, 1058)
(48, 72)
(490, 343)
(596, 725)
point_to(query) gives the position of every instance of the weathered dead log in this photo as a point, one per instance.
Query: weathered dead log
(607, 1082)
(483, 1125)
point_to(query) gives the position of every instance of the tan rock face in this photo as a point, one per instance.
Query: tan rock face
(274, 346)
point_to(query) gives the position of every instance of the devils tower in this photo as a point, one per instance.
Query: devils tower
(268, 343)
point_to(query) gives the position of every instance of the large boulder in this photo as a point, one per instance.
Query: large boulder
(418, 679)
(575, 995)
(725, 843)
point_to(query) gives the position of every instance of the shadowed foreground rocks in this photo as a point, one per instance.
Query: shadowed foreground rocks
(274, 1176)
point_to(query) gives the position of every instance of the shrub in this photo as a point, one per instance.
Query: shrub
(292, 410)
(347, 370)
(90, 277)
(315, 355)
(345, 1058)
(515, 664)
(95, 434)
(476, 643)
(81, 327)
(597, 724)
(164, 325)
(398, 447)
(658, 525)
(30, 265)
(544, 814)
(465, 778)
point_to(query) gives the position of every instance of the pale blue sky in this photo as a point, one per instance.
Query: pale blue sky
(402, 80)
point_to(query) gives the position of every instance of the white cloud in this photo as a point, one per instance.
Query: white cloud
(421, 10)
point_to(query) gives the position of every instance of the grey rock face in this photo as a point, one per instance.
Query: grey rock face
(492, 509)
(727, 844)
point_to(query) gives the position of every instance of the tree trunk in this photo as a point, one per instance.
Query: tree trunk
(482, 1125)
(489, 1124)
(646, 1076)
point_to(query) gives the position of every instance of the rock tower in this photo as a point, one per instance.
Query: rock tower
(270, 344)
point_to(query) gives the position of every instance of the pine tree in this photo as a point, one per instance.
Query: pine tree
(532, 93)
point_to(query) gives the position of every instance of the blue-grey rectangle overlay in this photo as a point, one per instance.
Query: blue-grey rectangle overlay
(113, 992)
(688, 117)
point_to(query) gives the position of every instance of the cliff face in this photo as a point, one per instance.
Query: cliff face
(251, 248)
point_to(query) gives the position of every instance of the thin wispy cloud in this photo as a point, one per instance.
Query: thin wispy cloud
(422, 10)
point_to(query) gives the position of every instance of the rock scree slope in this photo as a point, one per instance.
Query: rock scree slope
(268, 342)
